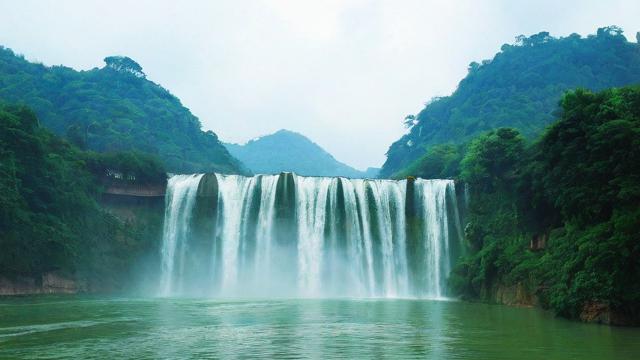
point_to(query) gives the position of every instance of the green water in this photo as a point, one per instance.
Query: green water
(91, 328)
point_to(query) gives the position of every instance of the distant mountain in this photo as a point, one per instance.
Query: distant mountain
(114, 108)
(289, 151)
(371, 173)
(520, 87)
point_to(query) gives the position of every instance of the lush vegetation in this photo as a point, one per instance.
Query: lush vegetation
(289, 151)
(49, 216)
(128, 167)
(560, 215)
(518, 88)
(440, 161)
(114, 108)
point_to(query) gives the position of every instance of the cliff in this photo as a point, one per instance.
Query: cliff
(48, 283)
(139, 212)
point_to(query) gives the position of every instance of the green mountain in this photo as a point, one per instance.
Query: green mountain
(518, 88)
(289, 151)
(50, 216)
(557, 218)
(114, 108)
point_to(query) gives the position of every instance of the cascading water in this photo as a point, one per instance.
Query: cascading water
(288, 235)
(180, 198)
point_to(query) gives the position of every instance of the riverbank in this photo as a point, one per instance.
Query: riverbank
(596, 312)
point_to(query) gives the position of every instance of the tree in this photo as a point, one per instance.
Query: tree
(611, 30)
(519, 88)
(409, 121)
(77, 136)
(124, 64)
(49, 217)
(491, 160)
(114, 109)
(473, 67)
(439, 162)
(576, 187)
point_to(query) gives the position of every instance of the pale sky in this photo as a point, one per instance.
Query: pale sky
(343, 73)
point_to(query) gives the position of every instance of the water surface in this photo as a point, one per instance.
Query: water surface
(94, 328)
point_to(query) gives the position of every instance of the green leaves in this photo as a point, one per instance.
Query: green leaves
(114, 109)
(491, 162)
(519, 88)
(439, 162)
(590, 158)
(49, 219)
(131, 167)
(578, 186)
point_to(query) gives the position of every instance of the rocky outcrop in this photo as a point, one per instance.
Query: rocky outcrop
(592, 312)
(539, 242)
(603, 313)
(140, 209)
(133, 202)
(48, 283)
(515, 295)
(135, 190)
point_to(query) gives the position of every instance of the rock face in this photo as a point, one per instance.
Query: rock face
(53, 283)
(48, 283)
(539, 242)
(592, 312)
(141, 209)
(602, 313)
(515, 295)
(134, 203)
(136, 190)
(596, 312)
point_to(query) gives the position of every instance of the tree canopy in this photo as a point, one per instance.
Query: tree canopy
(49, 216)
(124, 64)
(114, 108)
(518, 88)
(578, 186)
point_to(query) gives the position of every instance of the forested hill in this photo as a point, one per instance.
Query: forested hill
(558, 217)
(114, 108)
(289, 151)
(518, 88)
(50, 217)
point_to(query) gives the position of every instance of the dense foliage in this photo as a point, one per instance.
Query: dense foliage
(577, 187)
(518, 88)
(49, 217)
(587, 166)
(128, 166)
(291, 152)
(440, 161)
(114, 108)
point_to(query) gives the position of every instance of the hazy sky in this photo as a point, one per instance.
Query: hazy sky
(343, 73)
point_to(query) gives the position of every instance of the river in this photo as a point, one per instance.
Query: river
(80, 327)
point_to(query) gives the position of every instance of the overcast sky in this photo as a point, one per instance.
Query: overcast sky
(343, 73)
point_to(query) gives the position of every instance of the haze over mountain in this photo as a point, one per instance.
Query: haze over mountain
(520, 87)
(114, 108)
(371, 62)
(289, 151)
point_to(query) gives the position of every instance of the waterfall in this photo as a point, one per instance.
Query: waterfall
(289, 235)
(180, 198)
